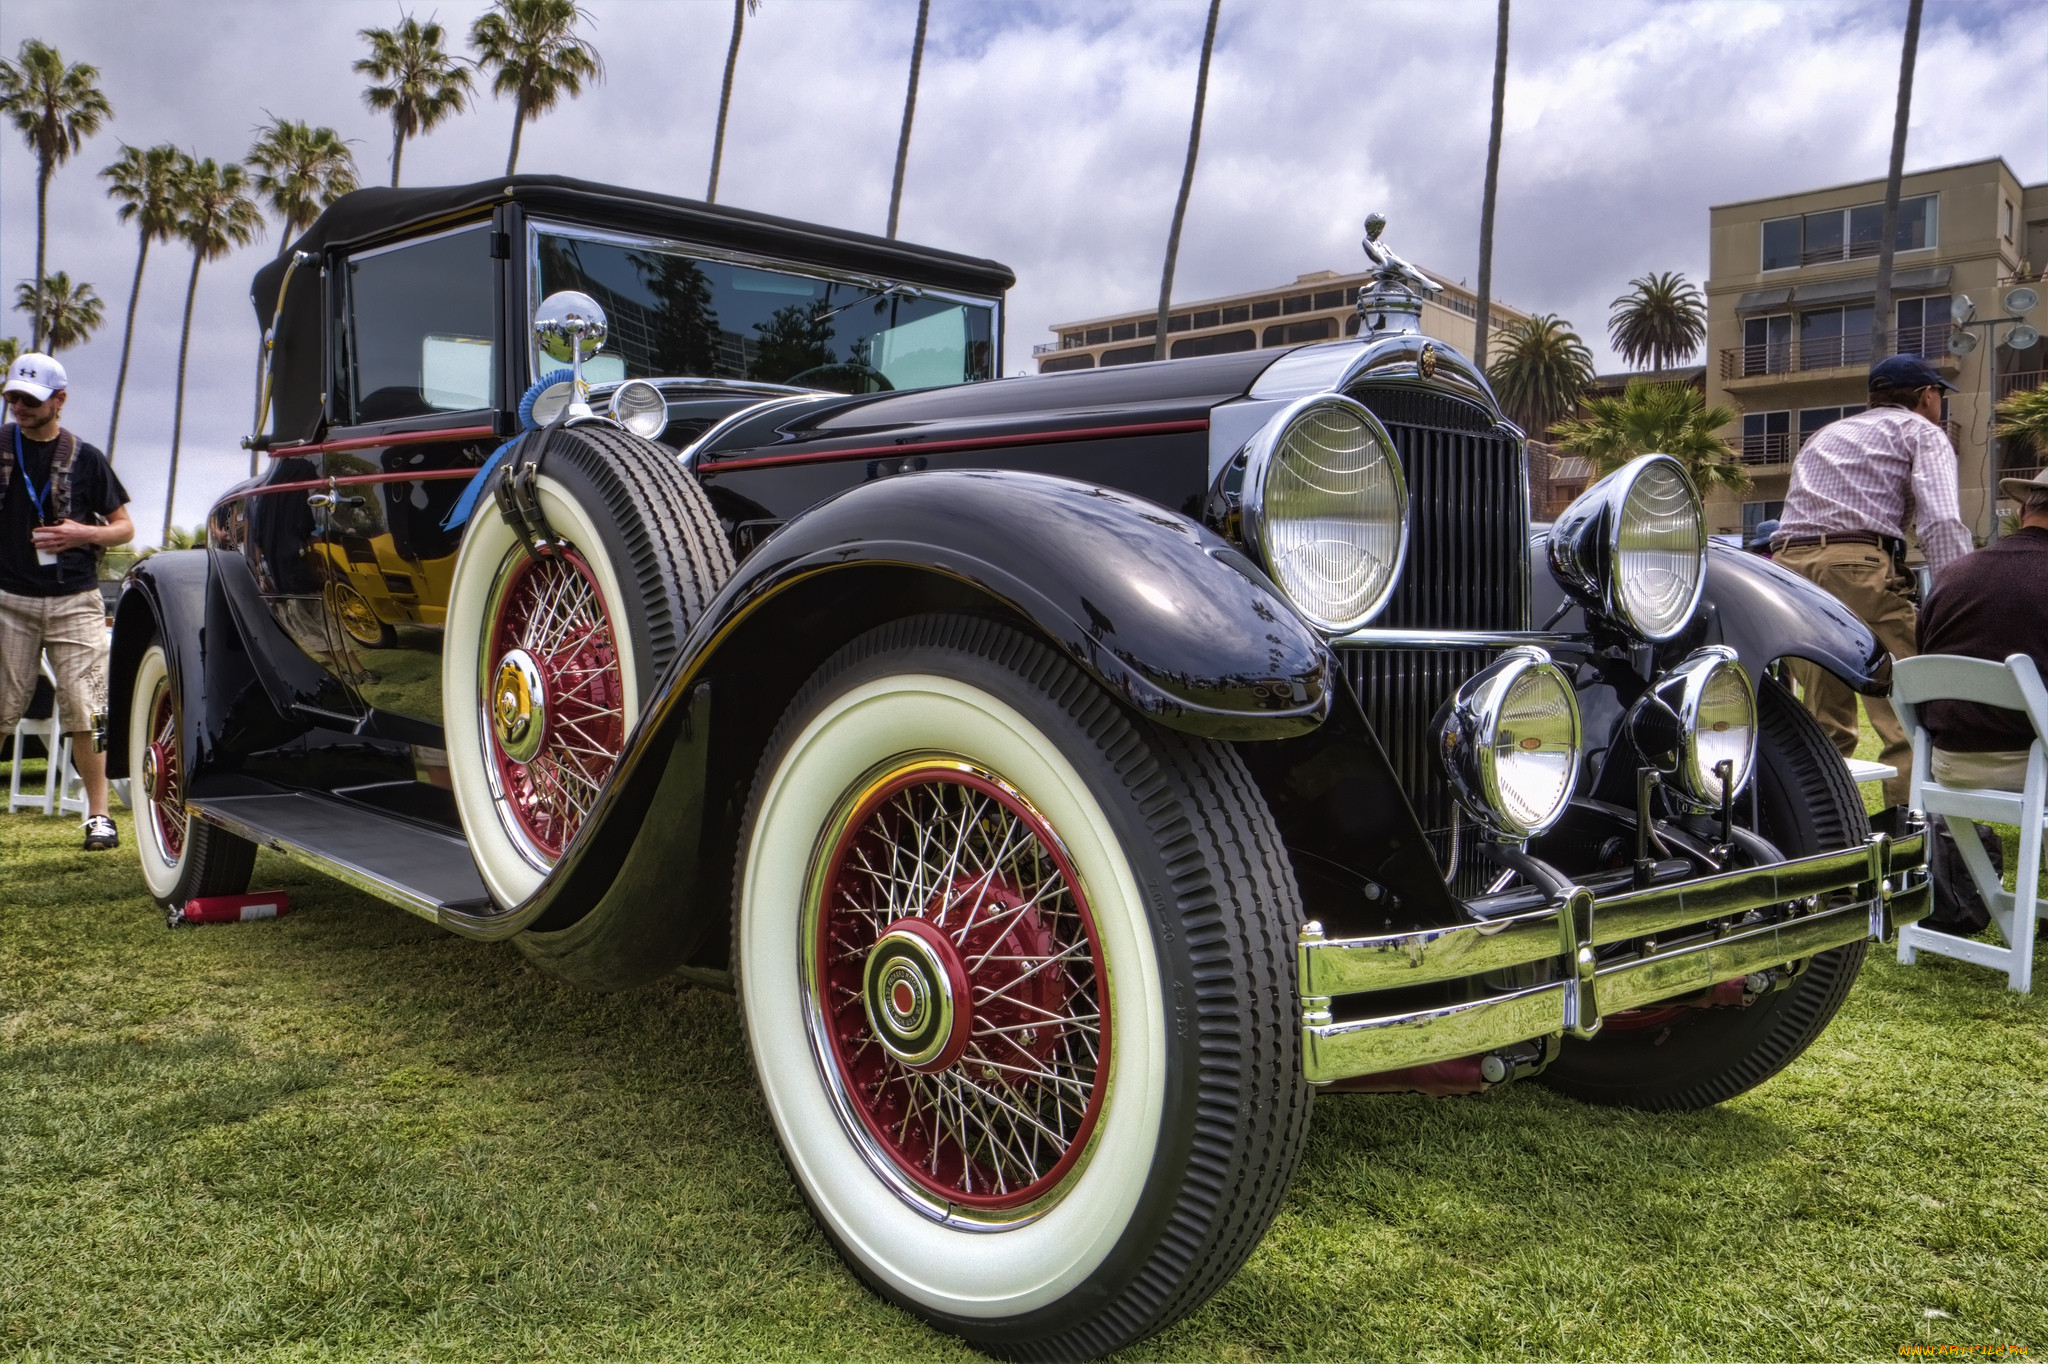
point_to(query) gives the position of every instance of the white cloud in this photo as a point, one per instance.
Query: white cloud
(1050, 136)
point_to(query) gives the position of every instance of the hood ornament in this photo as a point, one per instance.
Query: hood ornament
(1393, 300)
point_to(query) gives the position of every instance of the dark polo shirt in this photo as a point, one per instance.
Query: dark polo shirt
(1988, 605)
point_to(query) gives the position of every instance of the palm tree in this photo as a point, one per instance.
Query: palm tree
(216, 214)
(10, 349)
(55, 107)
(299, 171)
(1491, 193)
(924, 13)
(2025, 415)
(144, 183)
(1662, 319)
(740, 10)
(1670, 419)
(422, 83)
(539, 58)
(1542, 368)
(64, 316)
(1187, 182)
(1881, 304)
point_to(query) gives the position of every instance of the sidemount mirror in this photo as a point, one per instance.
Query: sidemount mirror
(571, 326)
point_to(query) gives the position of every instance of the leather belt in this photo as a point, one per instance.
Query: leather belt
(1848, 537)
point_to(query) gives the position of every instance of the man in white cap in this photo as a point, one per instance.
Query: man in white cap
(60, 505)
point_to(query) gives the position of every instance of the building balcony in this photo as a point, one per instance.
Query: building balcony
(1826, 357)
(2020, 381)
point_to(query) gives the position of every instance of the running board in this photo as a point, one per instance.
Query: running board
(398, 860)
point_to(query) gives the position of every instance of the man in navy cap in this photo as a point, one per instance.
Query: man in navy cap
(1855, 487)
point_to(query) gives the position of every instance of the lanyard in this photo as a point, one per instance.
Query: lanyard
(21, 463)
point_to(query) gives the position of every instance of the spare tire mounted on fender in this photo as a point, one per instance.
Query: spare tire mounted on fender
(550, 657)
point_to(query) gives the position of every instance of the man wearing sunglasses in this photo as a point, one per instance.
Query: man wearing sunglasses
(60, 505)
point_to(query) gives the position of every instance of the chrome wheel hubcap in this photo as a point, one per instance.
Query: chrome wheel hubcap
(916, 996)
(519, 706)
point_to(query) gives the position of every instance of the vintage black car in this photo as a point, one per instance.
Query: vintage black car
(1070, 775)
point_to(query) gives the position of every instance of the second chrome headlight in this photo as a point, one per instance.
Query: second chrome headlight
(1693, 719)
(1510, 744)
(1326, 509)
(1633, 548)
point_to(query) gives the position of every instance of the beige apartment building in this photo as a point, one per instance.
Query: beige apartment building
(1315, 307)
(1789, 299)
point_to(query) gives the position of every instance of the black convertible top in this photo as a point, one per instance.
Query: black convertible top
(370, 214)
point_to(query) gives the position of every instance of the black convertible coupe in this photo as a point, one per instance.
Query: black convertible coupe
(1069, 775)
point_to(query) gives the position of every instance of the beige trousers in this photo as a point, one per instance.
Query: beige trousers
(73, 631)
(2000, 770)
(1861, 578)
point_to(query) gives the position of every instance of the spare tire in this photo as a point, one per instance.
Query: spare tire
(549, 658)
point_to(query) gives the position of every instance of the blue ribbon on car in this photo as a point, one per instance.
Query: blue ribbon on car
(474, 489)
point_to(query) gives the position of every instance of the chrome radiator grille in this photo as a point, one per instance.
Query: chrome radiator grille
(1467, 569)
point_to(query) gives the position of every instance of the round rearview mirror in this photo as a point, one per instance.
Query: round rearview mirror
(2022, 337)
(2022, 300)
(1962, 343)
(570, 326)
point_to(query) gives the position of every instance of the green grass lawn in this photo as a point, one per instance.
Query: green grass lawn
(346, 1134)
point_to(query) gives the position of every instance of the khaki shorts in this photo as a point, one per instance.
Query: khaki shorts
(2004, 770)
(72, 630)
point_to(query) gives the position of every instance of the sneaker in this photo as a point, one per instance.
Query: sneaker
(100, 834)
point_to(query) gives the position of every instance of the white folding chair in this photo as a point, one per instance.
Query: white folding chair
(63, 789)
(2015, 685)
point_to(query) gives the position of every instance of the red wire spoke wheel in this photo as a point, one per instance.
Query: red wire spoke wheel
(160, 776)
(554, 703)
(961, 987)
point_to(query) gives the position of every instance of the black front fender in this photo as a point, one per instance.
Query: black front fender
(1167, 615)
(164, 599)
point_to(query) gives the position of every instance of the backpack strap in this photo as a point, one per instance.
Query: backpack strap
(6, 459)
(60, 474)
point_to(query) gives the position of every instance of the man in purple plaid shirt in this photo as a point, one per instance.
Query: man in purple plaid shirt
(1855, 488)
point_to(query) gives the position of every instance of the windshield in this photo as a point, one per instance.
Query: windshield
(674, 314)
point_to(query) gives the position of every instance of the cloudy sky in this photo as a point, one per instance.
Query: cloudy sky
(1050, 136)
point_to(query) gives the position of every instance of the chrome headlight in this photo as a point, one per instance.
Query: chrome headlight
(1510, 744)
(1696, 717)
(1633, 548)
(639, 407)
(1326, 509)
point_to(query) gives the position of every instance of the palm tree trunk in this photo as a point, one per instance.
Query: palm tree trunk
(732, 60)
(178, 408)
(43, 169)
(518, 125)
(397, 153)
(1187, 183)
(127, 341)
(924, 11)
(1492, 191)
(1881, 305)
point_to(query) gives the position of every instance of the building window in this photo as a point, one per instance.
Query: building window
(1299, 303)
(1831, 337)
(1148, 327)
(1097, 335)
(1123, 331)
(1767, 344)
(1222, 343)
(1241, 313)
(1766, 437)
(1923, 326)
(1177, 324)
(1331, 298)
(1300, 333)
(1265, 307)
(1351, 294)
(1846, 233)
(1062, 362)
(1131, 355)
(1207, 319)
(1351, 324)
(1069, 340)
(1754, 514)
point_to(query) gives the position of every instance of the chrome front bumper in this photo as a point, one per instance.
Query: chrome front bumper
(1837, 898)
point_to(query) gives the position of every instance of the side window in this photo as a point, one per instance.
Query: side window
(1781, 243)
(419, 325)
